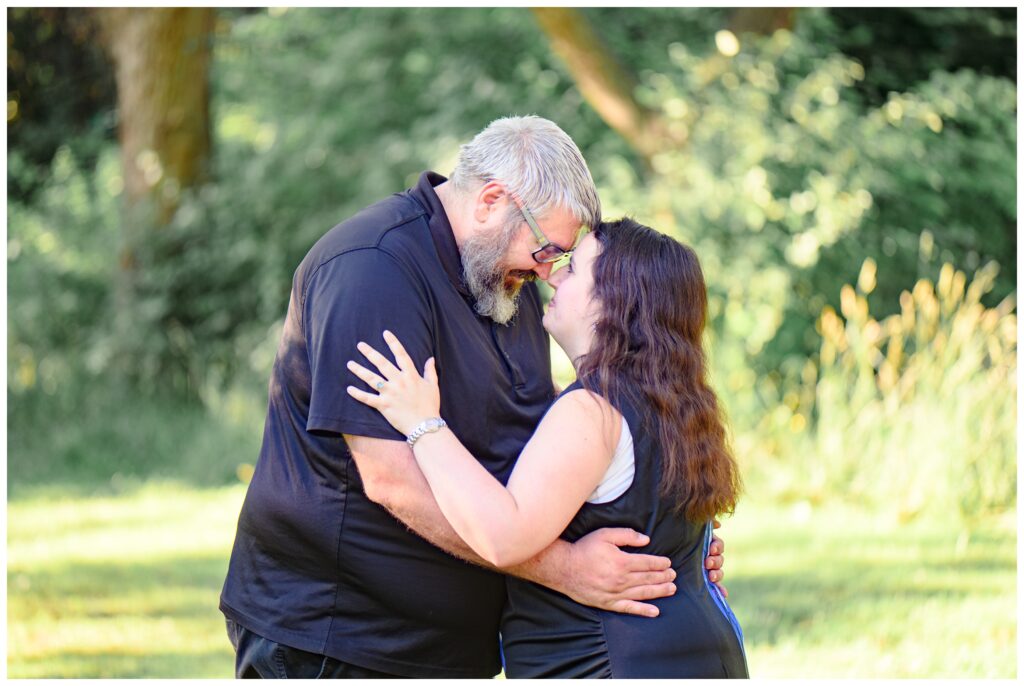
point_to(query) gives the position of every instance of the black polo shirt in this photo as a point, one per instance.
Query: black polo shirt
(316, 565)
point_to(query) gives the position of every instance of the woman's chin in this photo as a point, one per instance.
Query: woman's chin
(551, 327)
(546, 321)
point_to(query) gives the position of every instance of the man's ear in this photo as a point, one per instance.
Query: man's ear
(488, 200)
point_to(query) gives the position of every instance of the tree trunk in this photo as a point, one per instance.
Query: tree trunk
(161, 58)
(161, 62)
(602, 81)
(761, 20)
(608, 87)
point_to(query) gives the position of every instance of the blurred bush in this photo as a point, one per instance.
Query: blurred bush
(787, 181)
(60, 93)
(912, 413)
(791, 165)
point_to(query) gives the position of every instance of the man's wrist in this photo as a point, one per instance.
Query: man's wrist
(551, 567)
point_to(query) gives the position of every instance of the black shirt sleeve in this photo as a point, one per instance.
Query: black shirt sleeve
(354, 297)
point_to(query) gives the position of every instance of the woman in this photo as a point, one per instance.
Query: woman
(637, 441)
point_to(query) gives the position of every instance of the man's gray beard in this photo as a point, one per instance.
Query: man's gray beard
(482, 265)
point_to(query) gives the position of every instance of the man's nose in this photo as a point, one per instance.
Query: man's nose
(543, 270)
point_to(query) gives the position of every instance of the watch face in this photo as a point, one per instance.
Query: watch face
(434, 424)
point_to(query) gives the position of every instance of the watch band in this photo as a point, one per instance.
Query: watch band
(427, 426)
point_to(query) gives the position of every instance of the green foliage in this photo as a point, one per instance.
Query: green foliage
(110, 446)
(787, 181)
(59, 274)
(60, 92)
(71, 421)
(900, 46)
(307, 137)
(786, 175)
(912, 413)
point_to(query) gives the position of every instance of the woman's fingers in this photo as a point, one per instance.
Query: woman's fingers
(405, 362)
(363, 373)
(383, 364)
(364, 397)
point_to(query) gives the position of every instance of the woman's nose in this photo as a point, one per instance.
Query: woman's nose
(556, 278)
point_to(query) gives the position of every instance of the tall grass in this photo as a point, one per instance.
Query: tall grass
(911, 414)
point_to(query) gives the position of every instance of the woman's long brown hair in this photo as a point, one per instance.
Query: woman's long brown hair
(647, 347)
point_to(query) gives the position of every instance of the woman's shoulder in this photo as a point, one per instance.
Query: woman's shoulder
(588, 410)
(621, 402)
(577, 393)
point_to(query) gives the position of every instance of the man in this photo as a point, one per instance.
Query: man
(324, 581)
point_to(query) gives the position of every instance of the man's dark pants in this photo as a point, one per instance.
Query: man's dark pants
(257, 657)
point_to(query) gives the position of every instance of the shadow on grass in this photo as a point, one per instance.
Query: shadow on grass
(859, 595)
(178, 587)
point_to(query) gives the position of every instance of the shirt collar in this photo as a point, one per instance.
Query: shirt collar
(440, 229)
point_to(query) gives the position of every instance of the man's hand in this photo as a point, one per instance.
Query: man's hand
(602, 576)
(715, 561)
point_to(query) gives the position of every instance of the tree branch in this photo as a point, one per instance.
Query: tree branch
(602, 81)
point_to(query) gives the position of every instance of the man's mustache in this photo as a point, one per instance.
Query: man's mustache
(524, 274)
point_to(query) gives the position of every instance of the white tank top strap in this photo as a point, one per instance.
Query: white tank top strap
(619, 475)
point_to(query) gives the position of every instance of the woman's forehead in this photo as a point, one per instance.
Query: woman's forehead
(588, 246)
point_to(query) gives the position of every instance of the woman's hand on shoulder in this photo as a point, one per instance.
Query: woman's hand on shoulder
(403, 396)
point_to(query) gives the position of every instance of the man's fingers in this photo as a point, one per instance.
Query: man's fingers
(631, 607)
(646, 563)
(649, 591)
(622, 537)
(723, 589)
(405, 362)
(716, 523)
(383, 364)
(717, 546)
(716, 575)
(651, 578)
(714, 562)
(363, 373)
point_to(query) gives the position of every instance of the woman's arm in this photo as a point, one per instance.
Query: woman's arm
(560, 466)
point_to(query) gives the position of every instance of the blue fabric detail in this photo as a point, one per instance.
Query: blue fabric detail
(716, 594)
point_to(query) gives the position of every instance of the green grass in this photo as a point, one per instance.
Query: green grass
(122, 586)
(127, 586)
(837, 593)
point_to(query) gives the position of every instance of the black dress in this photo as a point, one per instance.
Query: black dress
(547, 635)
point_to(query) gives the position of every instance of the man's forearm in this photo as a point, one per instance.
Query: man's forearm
(550, 567)
(593, 571)
(413, 504)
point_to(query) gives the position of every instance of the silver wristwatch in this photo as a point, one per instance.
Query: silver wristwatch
(427, 426)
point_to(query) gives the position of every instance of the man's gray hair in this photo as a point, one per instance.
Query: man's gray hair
(536, 161)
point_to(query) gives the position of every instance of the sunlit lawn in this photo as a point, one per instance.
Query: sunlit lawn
(120, 587)
(127, 587)
(839, 594)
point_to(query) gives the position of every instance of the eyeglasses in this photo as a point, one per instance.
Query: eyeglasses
(547, 252)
